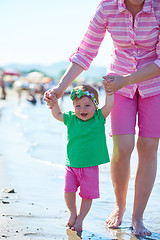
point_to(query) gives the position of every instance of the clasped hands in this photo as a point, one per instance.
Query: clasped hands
(50, 98)
(113, 83)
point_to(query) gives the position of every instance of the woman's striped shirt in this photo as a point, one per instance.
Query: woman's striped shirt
(135, 44)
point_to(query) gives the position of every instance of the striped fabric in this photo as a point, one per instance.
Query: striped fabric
(133, 46)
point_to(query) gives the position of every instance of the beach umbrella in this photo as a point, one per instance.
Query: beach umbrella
(11, 72)
(46, 80)
(34, 77)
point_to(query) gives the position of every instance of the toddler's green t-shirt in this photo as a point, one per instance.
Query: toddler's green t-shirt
(86, 145)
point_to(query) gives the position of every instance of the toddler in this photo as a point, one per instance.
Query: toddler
(86, 148)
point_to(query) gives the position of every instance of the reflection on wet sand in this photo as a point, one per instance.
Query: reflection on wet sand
(122, 233)
(125, 233)
(73, 235)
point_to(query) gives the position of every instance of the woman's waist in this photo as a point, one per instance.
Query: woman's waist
(124, 67)
(130, 60)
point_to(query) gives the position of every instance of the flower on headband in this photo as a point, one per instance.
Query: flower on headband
(80, 93)
(76, 93)
(72, 96)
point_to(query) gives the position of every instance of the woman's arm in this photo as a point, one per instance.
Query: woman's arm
(114, 83)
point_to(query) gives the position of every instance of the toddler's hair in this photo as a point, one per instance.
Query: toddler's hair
(89, 88)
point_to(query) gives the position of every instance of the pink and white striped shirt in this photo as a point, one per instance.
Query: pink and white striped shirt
(134, 44)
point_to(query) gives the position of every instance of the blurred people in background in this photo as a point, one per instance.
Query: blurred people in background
(2, 85)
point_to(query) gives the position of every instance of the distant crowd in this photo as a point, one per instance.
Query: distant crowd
(32, 89)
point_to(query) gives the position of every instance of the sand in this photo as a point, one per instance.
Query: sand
(10, 228)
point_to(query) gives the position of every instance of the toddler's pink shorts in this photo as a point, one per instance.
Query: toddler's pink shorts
(126, 111)
(85, 178)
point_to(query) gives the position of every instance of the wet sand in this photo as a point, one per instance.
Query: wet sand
(10, 228)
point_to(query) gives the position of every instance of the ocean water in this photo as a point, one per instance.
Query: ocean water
(30, 133)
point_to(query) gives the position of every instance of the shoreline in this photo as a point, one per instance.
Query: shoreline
(10, 228)
(13, 223)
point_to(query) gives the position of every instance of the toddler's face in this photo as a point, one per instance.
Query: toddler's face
(84, 108)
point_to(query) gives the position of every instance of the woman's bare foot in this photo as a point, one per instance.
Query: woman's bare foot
(72, 220)
(78, 225)
(115, 219)
(139, 228)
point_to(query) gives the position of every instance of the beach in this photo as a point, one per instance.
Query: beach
(32, 156)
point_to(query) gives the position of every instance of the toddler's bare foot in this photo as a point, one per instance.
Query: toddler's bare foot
(72, 220)
(78, 225)
(139, 229)
(115, 219)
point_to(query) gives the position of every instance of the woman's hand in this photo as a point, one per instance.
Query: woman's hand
(52, 93)
(113, 83)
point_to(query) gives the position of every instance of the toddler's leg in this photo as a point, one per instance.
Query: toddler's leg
(84, 209)
(70, 198)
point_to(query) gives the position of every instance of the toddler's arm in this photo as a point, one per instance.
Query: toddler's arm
(55, 109)
(106, 109)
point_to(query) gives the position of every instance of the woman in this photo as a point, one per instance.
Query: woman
(134, 74)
